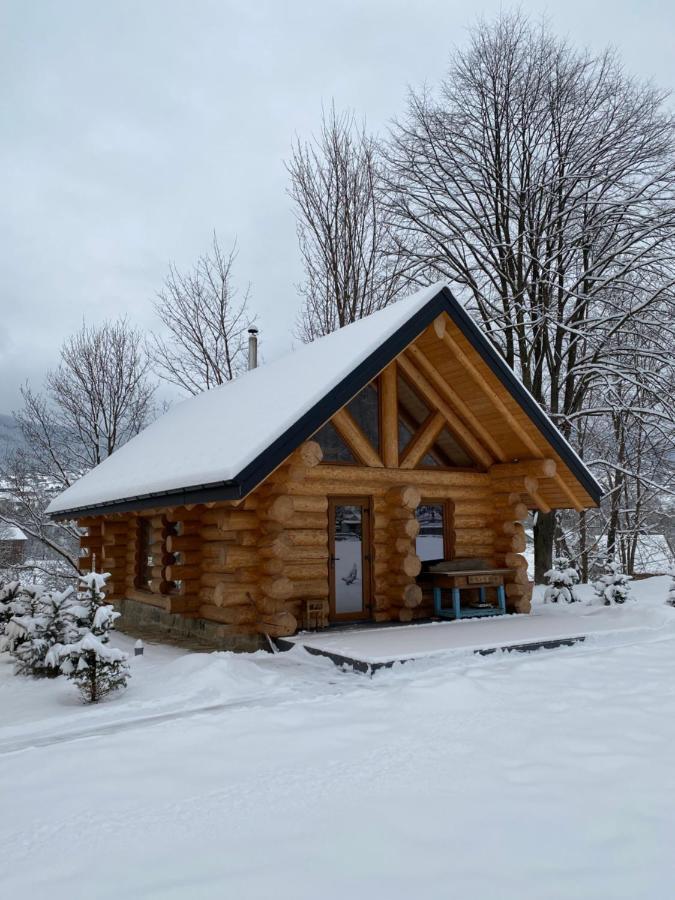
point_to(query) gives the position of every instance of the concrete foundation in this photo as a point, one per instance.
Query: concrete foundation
(143, 620)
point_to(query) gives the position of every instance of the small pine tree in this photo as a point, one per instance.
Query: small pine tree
(95, 668)
(8, 593)
(24, 606)
(670, 600)
(51, 627)
(561, 581)
(614, 586)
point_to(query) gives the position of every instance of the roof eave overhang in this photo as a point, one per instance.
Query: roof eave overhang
(206, 493)
(279, 450)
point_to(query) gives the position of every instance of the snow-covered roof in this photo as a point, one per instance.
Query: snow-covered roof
(10, 532)
(212, 437)
(229, 438)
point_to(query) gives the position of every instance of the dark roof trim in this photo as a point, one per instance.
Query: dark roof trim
(253, 474)
(504, 373)
(205, 493)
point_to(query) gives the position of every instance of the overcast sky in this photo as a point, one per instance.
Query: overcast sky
(130, 130)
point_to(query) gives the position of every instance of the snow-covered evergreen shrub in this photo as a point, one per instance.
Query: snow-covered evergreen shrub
(8, 593)
(52, 626)
(614, 585)
(24, 605)
(95, 668)
(670, 600)
(561, 581)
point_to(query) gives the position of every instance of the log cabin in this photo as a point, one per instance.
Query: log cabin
(310, 491)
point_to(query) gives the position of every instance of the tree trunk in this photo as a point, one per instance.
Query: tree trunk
(583, 546)
(544, 530)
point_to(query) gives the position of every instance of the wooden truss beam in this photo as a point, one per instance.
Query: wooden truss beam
(355, 439)
(568, 493)
(434, 399)
(422, 440)
(478, 378)
(536, 451)
(452, 397)
(389, 428)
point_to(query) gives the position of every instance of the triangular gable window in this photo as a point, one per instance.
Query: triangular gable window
(447, 452)
(364, 409)
(412, 411)
(334, 448)
(429, 460)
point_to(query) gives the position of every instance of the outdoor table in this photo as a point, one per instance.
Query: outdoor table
(473, 579)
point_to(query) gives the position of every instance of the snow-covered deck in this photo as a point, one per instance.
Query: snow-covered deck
(369, 648)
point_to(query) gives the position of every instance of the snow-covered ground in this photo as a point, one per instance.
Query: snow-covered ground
(546, 775)
(598, 624)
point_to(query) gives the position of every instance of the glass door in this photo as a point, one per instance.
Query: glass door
(349, 542)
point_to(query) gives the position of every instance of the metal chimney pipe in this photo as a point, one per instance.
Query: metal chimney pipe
(253, 348)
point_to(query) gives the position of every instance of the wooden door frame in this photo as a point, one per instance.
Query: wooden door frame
(366, 504)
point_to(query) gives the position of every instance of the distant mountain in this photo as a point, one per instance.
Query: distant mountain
(10, 436)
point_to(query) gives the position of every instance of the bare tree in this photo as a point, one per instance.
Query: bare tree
(97, 399)
(542, 180)
(351, 265)
(206, 323)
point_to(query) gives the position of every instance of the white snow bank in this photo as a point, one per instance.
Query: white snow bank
(545, 776)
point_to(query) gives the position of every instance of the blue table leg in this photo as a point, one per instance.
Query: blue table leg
(456, 604)
(501, 595)
(437, 601)
(481, 592)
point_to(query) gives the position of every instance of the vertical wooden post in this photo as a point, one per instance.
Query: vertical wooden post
(389, 417)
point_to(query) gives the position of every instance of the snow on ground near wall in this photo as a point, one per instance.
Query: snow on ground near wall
(547, 622)
(546, 775)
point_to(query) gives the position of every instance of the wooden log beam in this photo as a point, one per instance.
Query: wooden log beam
(389, 406)
(410, 565)
(358, 443)
(229, 615)
(276, 545)
(303, 503)
(273, 566)
(579, 507)
(539, 502)
(179, 543)
(236, 555)
(280, 624)
(407, 497)
(533, 468)
(404, 528)
(317, 587)
(342, 475)
(489, 392)
(308, 454)
(422, 440)
(411, 595)
(182, 573)
(462, 408)
(514, 512)
(307, 572)
(307, 538)
(459, 429)
(277, 588)
(515, 561)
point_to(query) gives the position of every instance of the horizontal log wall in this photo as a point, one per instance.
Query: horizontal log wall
(258, 565)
